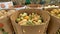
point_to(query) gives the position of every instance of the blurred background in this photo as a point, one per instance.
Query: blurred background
(25, 2)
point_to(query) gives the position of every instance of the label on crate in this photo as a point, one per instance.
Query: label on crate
(6, 5)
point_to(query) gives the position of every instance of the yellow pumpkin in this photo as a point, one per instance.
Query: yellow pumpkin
(26, 17)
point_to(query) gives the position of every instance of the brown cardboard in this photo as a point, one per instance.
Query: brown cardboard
(5, 20)
(54, 23)
(37, 29)
(7, 24)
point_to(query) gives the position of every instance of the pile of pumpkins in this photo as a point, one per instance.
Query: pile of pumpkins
(6, 12)
(29, 19)
(55, 12)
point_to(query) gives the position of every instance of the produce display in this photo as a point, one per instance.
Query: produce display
(17, 6)
(34, 5)
(51, 6)
(5, 12)
(29, 19)
(58, 32)
(55, 12)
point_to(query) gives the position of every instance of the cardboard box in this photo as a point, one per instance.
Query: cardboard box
(36, 29)
(54, 23)
(5, 23)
